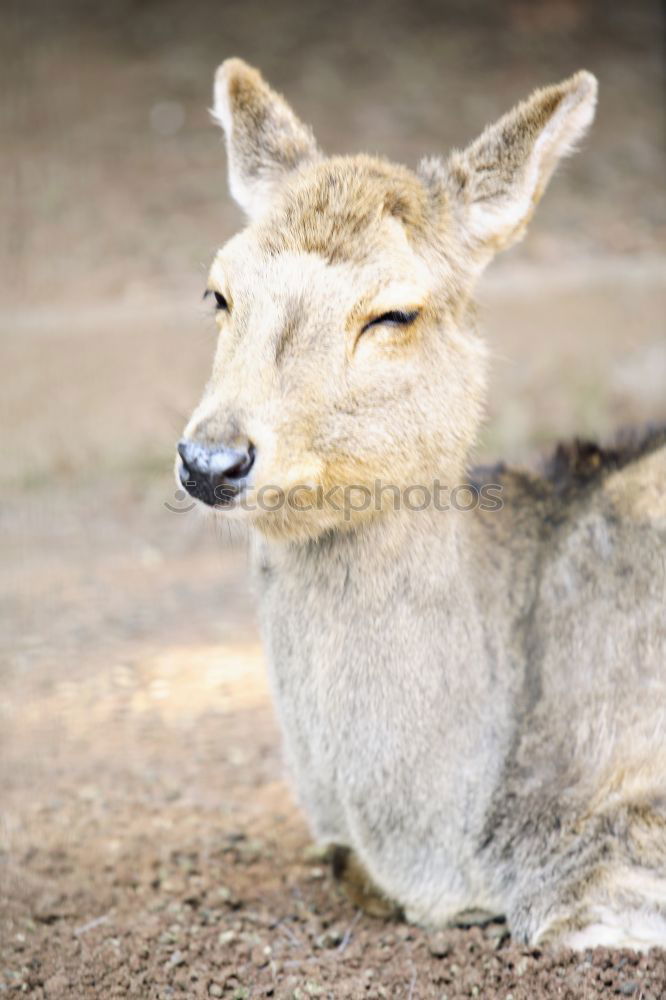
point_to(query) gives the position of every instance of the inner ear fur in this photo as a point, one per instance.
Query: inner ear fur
(264, 138)
(494, 185)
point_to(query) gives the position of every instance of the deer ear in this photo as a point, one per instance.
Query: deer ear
(494, 185)
(265, 140)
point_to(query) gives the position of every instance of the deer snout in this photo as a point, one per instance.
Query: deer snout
(214, 474)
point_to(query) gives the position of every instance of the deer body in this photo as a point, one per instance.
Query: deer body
(385, 734)
(412, 724)
(473, 701)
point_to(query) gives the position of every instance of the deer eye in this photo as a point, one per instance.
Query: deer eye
(220, 301)
(394, 318)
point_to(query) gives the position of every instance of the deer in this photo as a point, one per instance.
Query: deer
(471, 694)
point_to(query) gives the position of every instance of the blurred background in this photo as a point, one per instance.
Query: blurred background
(132, 698)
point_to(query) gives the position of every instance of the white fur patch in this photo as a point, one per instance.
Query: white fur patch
(635, 929)
(490, 218)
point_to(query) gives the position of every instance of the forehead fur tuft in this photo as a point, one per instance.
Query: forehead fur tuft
(335, 208)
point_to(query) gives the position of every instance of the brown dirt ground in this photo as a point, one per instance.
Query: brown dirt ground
(149, 846)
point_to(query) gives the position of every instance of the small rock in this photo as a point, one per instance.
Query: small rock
(498, 933)
(331, 938)
(316, 854)
(215, 990)
(260, 955)
(439, 945)
(177, 958)
(48, 909)
(522, 966)
(250, 850)
(629, 988)
(227, 938)
(222, 894)
(314, 989)
(56, 986)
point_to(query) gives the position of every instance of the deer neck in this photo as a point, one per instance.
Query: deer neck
(373, 562)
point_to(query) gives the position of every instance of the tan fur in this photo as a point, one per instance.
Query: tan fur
(472, 701)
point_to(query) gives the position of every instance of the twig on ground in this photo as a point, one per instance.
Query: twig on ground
(346, 937)
(97, 922)
(412, 985)
(293, 937)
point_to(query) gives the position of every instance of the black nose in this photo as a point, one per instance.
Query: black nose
(213, 473)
